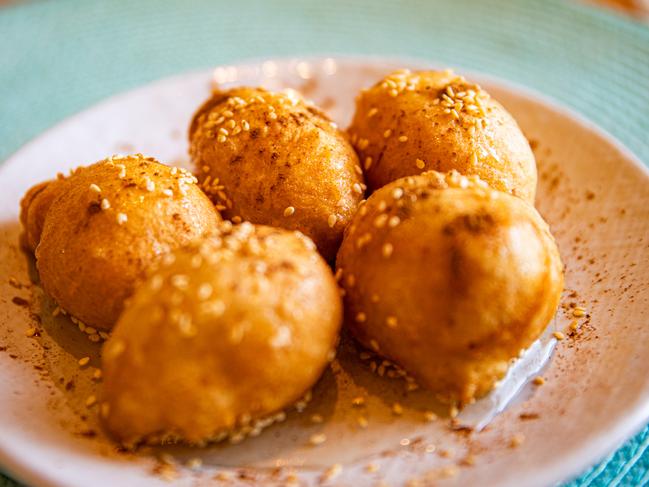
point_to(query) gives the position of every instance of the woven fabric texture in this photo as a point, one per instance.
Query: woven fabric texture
(59, 57)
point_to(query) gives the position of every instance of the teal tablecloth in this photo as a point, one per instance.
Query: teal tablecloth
(58, 57)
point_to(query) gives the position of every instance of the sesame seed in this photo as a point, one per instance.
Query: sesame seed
(357, 188)
(558, 335)
(574, 325)
(272, 116)
(228, 114)
(331, 221)
(95, 188)
(104, 409)
(30, 332)
(374, 345)
(96, 375)
(56, 311)
(358, 169)
(150, 185)
(397, 409)
(420, 164)
(517, 440)
(387, 133)
(391, 321)
(474, 159)
(289, 211)
(236, 219)
(362, 422)
(372, 467)
(397, 193)
(381, 220)
(292, 479)
(456, 115)
(404, 442)
(368, 163)
(372, 111)
(84, 361)
(91, 401)
(221, 138)
(318, 439)
(122, 170)
(453, 412)
(245, 125)
(578, 312)
(122, 218)
(205, 291)
(361, 317)
(363, 143)
(167, 192)
(430, 416)
(538, 380)
(403, 138)
(448, 471)
(394, 221)
(468, 460)
(180, 281)
(447, 453)
(358, 401)
(387, 249)
(105, 204)
(430, 448)
(332, 471)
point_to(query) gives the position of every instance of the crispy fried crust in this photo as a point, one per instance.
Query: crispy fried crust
(114, 218)
(449, 279)
(271, 158)
(33, 209)
(226, 331)
(409, 123)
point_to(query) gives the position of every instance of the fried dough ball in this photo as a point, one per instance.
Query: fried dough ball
(273, 159)
(224, 335)
(111, 221)
(449, 279)
(409, 123)
(33, 209)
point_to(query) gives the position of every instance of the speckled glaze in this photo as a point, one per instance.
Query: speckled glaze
(592, 192)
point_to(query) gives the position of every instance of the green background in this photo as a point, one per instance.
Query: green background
(59, 57)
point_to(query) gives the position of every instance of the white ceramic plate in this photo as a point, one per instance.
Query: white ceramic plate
(592, 191)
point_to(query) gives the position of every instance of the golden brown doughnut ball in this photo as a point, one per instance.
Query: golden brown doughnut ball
(114, 218)
(34, 207)
(409, 123)
(450, 279)
(227, 332)
(273, 159)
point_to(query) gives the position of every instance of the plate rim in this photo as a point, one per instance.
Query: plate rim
(562, 470)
